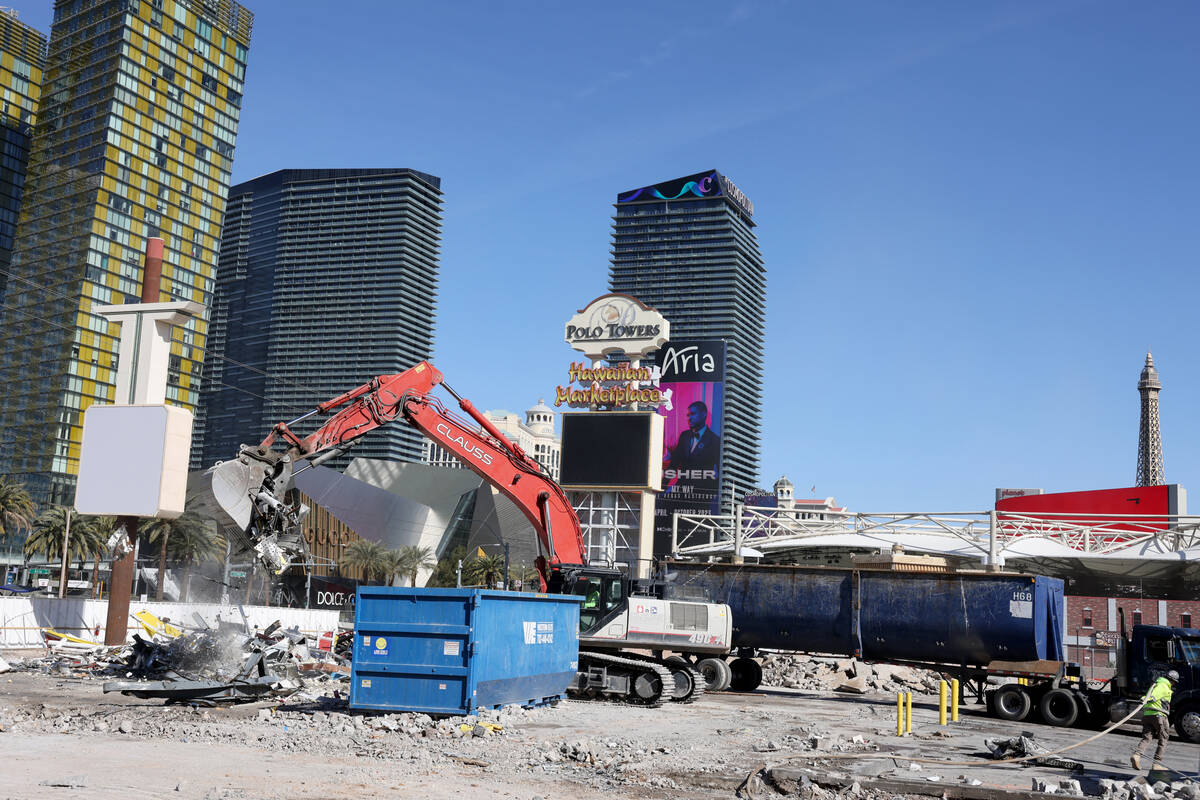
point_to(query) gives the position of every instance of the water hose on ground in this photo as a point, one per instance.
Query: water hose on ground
(1014, 760)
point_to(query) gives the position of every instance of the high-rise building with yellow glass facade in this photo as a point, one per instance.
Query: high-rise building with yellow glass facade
(22, 55)
(134, 139)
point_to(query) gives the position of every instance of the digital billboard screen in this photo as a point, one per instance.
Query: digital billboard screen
(605, 449)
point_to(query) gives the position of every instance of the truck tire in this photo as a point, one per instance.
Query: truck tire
(1059, 708)
(1188, 723)
(747, 674)
(716, 672)
(1011, 702)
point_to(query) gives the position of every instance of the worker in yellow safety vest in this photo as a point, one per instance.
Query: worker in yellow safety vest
(1156, 718)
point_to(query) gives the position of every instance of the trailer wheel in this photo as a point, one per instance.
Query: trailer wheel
(716, 673)
(1188, 723)
(747, 674)
(1011, 702)
(1059, 708)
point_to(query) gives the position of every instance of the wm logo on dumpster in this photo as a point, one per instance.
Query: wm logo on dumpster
(539, 632)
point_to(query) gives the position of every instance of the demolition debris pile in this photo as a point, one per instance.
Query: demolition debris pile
(817, 674)
(493, 740)
(205, 666)
(770, 745)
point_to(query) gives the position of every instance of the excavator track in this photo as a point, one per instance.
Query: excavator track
(650, 683)
(698, 687)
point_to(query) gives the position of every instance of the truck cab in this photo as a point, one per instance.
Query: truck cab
(1153, 651)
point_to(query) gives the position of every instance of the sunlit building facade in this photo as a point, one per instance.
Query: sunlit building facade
(134, 139)
(22, 55)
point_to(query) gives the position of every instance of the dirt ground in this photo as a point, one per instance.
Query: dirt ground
(63, 738)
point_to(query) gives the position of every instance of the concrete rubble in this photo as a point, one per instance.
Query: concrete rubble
(778, 745)
(817, 674)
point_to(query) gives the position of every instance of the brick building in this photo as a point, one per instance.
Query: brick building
(1092, 623)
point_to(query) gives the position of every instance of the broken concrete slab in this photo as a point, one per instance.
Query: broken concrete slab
(855, 685)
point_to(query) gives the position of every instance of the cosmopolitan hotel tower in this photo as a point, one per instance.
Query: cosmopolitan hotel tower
(687, 248)
(327, 278)
(22, 55)
(134, 139)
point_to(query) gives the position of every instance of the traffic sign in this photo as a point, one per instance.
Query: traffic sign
(39, 571)
(236, 573)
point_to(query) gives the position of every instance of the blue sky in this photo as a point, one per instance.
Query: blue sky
(976, 218)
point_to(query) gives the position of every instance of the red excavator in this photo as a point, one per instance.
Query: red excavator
(253, 494)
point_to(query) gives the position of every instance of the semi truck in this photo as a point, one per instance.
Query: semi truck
(999, 633)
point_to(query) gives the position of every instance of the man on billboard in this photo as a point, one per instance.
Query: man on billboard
(697, 447)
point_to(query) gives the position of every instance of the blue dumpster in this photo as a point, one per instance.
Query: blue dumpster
(453, 651)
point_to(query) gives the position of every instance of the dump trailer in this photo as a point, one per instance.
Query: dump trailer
(985, 628)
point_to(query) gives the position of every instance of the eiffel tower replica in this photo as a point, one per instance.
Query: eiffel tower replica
(1150, 470)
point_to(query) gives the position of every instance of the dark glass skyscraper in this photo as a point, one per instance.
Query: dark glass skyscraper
(687, 248)
(326, 278)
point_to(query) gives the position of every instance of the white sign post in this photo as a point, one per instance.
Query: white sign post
(134, 454)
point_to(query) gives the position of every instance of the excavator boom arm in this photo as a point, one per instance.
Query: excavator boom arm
(250, 490)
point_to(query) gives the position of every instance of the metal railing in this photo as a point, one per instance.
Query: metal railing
(750, 530)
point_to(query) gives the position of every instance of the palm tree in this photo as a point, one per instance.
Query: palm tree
(104, 527)
(160, 532)
(446, 572)
(415, 559)
(365, 555)
(47, 535)
(393, 564)
(16, 507)
(485, 571)
(195, 544)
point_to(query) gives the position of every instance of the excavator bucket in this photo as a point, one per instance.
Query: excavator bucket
(246, 498)
(231, 485)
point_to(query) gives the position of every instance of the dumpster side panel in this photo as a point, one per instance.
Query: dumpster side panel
(450, 651)
(410, 650)
(527, 647)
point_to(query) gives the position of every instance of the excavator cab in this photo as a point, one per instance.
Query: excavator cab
(605, 594)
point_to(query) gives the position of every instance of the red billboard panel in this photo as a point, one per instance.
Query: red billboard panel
(1114, 509)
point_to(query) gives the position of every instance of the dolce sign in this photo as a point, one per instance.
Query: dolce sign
(616, 323)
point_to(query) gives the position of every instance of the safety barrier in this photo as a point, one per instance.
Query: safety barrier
(23, 618)
(948, 696)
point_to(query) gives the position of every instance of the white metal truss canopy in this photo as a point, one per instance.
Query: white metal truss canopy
(1119, 545)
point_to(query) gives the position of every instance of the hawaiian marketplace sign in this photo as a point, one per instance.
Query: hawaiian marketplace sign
(613, 387)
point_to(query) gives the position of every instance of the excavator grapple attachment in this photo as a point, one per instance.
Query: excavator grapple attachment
(247, 496)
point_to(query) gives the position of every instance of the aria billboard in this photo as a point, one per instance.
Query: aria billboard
(692, 385)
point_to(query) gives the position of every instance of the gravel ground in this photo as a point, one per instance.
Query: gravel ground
(65, 739)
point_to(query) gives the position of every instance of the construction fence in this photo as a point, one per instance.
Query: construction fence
(23, 618)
